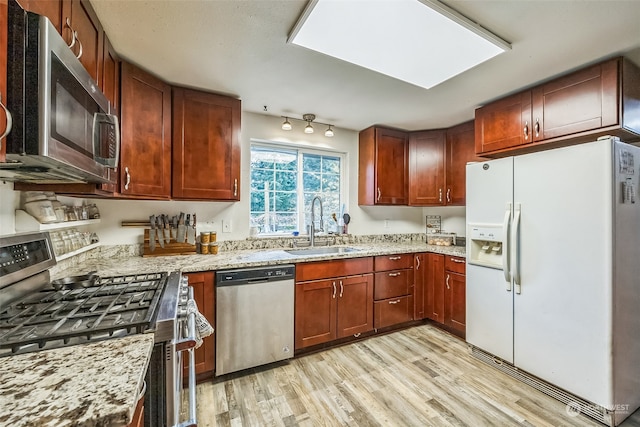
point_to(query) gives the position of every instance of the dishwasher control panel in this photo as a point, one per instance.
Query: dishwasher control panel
(258, 274)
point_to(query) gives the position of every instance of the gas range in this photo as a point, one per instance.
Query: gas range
(35, 315)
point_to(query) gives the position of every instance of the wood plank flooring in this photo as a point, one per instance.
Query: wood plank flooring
(420, 376)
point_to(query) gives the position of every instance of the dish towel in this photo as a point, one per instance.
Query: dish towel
(203, 327)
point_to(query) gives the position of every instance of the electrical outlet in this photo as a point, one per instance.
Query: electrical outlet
(226, 226)
(386, 223)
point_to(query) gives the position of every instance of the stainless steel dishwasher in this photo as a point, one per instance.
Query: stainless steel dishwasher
(254, 317)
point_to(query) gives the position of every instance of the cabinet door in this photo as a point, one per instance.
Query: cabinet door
(206, 146)
(111, 76)
(434, 288)
(582, 101)
(419, 288)
(461, 149)
(455, 301)
(145, 153)
(426, 168)
(204, 294)
(355, 305)
(3, 75)
(88, 46)
(315, 312)
(505, 123)
(391, 167)
(52, 9)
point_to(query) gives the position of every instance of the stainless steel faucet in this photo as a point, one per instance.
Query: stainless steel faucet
(312, 227)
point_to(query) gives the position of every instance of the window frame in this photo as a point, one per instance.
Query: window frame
(303, 149)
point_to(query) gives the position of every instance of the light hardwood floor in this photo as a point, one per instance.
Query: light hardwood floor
(420, 376)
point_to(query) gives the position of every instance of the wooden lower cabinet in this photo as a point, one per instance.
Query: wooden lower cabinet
(441, 283)
(393, 294)
(455, 301)
(434, 287)
(204, 294)
(334, 308)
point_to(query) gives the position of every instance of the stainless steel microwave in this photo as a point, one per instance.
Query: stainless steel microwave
(63, 126)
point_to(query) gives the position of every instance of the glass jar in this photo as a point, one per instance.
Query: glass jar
(40, 207)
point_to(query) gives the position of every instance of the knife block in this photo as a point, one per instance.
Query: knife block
(171, 248)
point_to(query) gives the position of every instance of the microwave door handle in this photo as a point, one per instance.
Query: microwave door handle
(116, 126)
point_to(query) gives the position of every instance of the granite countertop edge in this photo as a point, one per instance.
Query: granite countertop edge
(111, 266)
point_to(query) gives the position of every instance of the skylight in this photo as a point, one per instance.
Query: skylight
(422, 42)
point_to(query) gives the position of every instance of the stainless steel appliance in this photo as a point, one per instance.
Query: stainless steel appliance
(254, 317)
(552, 290)
(35, 316)
(63, 128)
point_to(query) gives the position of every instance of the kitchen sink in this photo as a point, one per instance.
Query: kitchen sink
(321, 251)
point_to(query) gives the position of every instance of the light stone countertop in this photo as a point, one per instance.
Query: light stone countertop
(89, 385)
(118, 265)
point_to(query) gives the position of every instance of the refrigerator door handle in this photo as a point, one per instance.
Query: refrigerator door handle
(516, 236)
(505, 250)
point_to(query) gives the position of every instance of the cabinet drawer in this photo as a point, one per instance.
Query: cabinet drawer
(455, 264)
(335, 268)
(390, 284)
(392, 311)
(393, 262)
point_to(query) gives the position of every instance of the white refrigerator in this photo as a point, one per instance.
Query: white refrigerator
(553, 270)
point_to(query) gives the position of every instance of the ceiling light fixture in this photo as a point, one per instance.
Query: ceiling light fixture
(328, 132)
(308, 129)
(424, 42)
(308, 118)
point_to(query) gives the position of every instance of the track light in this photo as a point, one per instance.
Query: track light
(308, 129)
(328, 132)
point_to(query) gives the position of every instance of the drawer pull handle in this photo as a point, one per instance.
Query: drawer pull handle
(525, 130)
(418, 261)
(334, 290)
(394, 274)
(459, 261)
(341, 288)
(448, 287)
(394, 302)
(394, 258)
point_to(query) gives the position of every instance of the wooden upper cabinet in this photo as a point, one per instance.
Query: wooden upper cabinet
(505, 123)
(603, 99)
(52, 9)
(206, 146)
(145, 152)
(427, 168)
(582, 101)
(460, 148)
(79, 19)
(111, 76)
(3, 77)
(383, 164)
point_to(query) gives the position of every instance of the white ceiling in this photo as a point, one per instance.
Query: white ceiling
(238, 47)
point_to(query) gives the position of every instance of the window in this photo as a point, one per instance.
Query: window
(285, 180)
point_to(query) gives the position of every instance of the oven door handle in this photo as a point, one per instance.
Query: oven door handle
(192, 421)
(189, 344)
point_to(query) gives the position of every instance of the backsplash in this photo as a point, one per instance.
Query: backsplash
(135, 250)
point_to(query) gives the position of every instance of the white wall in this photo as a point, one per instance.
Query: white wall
(364, 220)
